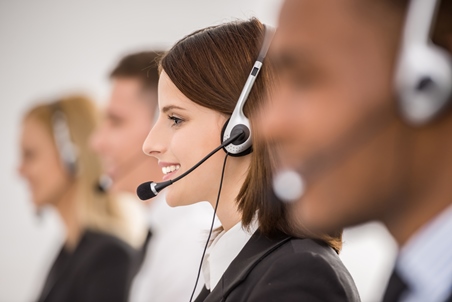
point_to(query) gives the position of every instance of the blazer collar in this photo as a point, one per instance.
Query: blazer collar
(256, 249)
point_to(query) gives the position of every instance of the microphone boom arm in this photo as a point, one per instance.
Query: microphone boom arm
(157, 187)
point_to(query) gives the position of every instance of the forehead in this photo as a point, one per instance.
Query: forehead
(339, 16)
(336, 35)
(170, 95)
(34, 133)
(128, 95)
(318, 24)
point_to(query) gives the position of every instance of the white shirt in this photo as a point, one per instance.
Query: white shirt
(425, 262)
(223, 250)
(174, 252)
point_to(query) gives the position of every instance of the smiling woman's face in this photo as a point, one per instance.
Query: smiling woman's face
(184, 133)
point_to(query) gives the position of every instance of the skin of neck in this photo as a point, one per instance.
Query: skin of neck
(234, 176)
(427, 190)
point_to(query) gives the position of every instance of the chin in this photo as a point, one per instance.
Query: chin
(172, 204)
(39, 203)
(122, 189)
(313, 213)
(177, 198)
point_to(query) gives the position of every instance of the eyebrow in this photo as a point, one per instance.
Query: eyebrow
(109, 114)
(171, 107)
(288, 60)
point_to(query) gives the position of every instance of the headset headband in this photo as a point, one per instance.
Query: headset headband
(238, 120)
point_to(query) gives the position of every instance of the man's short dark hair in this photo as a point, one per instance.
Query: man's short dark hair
(141, 66)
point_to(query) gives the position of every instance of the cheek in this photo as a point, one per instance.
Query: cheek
(129, 145)
(317, 120)
(360, 188)
(134, 133)
(202, 183)
(309, 120)
(48, 177)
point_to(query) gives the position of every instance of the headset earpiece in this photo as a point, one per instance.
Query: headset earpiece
(66, 148)
(238, 121)
(238, 147)
(423, 77)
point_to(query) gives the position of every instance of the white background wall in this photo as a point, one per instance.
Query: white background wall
(51, 47)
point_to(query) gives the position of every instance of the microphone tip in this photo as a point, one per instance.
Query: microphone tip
(288, 185)
(144, 191)
(104, 183)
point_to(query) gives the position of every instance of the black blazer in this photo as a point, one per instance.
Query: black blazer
(283, 268)
(396, 287)
(99, 269)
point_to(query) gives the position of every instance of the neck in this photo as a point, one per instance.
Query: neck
(228, 213)
(67, 208)
(234, 177)
(429, 186)
(421, 211)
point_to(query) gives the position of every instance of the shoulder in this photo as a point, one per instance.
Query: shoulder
(312, 255)
(100, 249)
(99, 241)
(313, 250)
(103, 267)
(105, 261)
(305, 268)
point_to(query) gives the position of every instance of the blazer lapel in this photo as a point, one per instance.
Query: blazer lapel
(202, 295)
(449, 299)
(256, 249)
(395, 288)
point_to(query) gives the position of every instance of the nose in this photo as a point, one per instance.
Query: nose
(155, 142)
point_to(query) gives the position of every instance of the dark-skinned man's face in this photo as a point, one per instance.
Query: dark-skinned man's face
(334, 117)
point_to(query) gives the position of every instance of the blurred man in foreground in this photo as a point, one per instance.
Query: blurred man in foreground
(339, 121)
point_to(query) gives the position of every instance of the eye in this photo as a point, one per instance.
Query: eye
(28, 154)
(175, 120)
(115, 121)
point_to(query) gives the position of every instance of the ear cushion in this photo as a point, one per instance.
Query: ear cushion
(243, 153)
(65, 147)
(424, 82)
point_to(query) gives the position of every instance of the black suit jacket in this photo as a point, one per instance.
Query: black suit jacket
(99, 269)
(396, 288)
(283, 268)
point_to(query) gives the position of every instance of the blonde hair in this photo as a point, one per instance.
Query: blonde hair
(96, 210)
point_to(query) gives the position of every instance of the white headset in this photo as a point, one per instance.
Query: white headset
(423, 77)
(66, 148)
(238, 121)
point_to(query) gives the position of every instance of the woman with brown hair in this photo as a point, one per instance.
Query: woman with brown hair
(97, 260)
(257, 255)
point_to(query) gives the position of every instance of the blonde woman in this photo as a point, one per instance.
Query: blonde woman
(97, 260)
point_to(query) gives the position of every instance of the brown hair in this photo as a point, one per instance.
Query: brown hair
(141, 66)
(210, 67)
